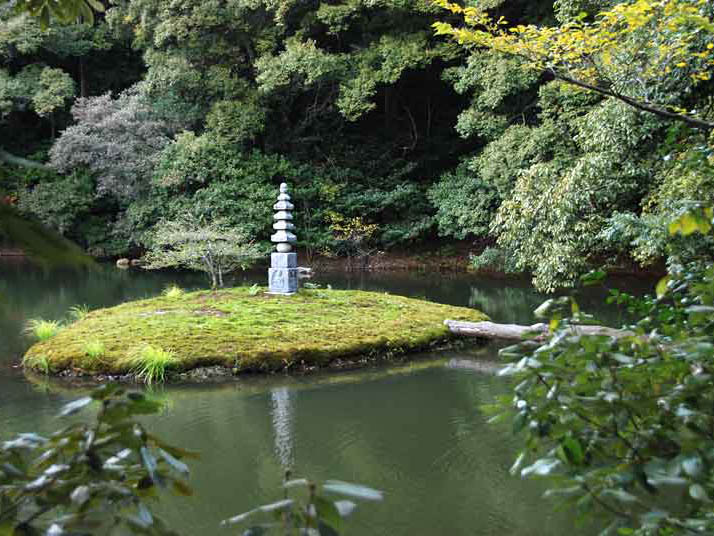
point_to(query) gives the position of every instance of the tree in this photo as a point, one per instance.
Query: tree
(214, 248)
(622, 54)
(118, 139)
(61, 10)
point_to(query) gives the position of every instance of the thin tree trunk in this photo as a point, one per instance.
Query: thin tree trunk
(82, 78)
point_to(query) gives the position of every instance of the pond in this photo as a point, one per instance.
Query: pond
(415, 431)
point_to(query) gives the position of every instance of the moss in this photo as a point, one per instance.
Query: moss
(250, 331)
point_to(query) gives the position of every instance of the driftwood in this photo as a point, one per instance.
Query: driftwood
(516, 332)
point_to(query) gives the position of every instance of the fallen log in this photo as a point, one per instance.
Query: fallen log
(517, 332)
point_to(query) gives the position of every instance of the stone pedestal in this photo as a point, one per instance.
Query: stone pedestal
(283, 273)
(283, 280)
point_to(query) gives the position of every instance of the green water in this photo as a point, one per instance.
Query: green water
(413, 431)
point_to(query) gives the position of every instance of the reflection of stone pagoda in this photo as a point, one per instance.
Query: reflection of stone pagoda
(283, 271)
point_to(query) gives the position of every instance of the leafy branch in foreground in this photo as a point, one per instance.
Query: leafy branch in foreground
(90, 478)
(625, 426)
(314, 513)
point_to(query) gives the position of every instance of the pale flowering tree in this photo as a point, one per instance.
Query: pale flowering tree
(118, 139)
(215, 247)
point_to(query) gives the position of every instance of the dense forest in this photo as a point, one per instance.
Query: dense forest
(381, 122)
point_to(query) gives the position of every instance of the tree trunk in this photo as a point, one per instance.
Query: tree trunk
(516, 332)
(82, 78)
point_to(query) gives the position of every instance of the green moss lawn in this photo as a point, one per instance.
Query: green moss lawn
(246, 331)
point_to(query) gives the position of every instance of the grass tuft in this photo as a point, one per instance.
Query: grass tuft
(94, 349)
(150, 363)
(43, 330)
(39, 363)
(173, 292)
(78, 312)
(254, 290)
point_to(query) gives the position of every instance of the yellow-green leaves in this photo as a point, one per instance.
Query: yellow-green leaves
(629, 46)
(693, 221)
(61, 10)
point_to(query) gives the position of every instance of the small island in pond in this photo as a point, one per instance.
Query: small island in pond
(243, 330)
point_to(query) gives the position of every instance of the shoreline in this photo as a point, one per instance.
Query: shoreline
(220, 374)
(244, 331)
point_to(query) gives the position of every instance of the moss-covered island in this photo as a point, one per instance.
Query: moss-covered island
(243, 330)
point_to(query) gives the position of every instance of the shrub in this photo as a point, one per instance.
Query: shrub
(465, 204)
(61, 203)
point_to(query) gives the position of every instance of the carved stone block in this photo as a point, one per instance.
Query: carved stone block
(283, 280)
(283, 260)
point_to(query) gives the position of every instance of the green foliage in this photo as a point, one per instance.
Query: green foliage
(173, 291)
(64, 10)
(315, 511)
(61, 204)
(78, 312)
(150, 363)
(42, 330)
(621, 424)
(499, 86)
(55, 88)
(46, 89)
(212, 247)
(91, 478)
(559, 205)
(94, 349)
(465, 203)
(493, 260)
(39, 363)
(236, 121)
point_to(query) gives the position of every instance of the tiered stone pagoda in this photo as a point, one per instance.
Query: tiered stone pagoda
(283, 271)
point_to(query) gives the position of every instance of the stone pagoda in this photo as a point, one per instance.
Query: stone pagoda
(283, 271)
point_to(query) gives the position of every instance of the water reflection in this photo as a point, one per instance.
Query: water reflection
(415, 431)
(282, 412)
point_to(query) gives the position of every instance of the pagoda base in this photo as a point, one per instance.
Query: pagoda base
(283, 274)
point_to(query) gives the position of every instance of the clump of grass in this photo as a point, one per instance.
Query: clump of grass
(254, 290)
(78, 312)
(150, 363)
(38, 362)
(94, 349)
(173, 292)
(43, 329)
